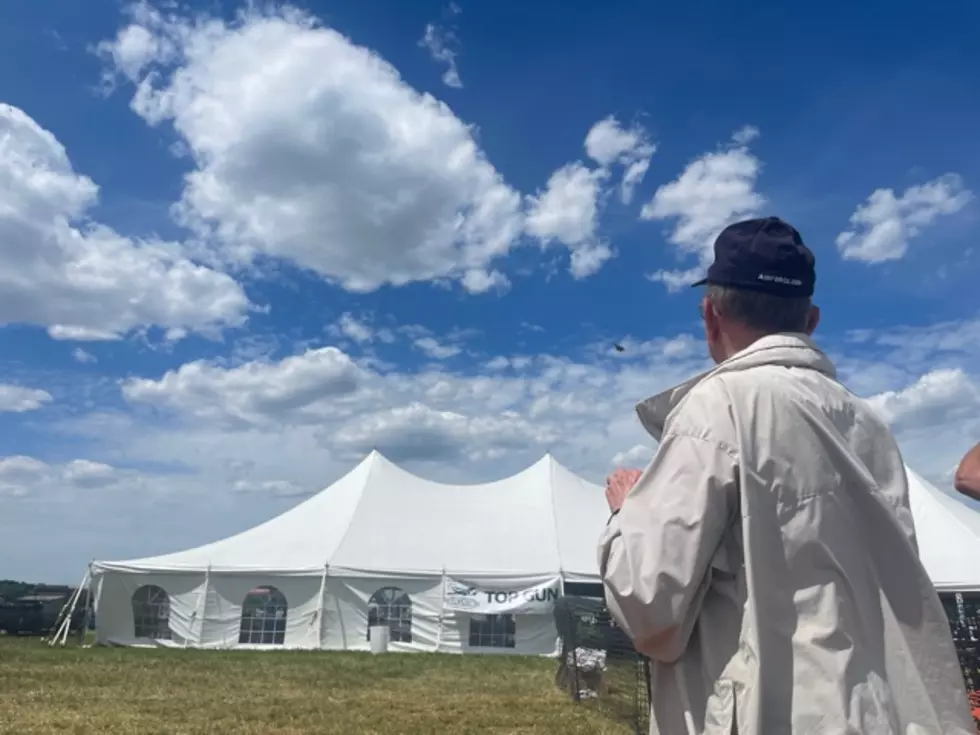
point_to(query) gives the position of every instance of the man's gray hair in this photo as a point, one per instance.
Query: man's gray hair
(761, 311)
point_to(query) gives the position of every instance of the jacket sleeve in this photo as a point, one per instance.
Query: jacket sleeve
(655, 554)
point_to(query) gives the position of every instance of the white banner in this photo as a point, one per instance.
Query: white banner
(462, 597)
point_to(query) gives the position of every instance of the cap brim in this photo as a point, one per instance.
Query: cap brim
(702, 282)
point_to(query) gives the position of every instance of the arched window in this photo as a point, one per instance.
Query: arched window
(392, 607)
(151, 613)
(264, 617)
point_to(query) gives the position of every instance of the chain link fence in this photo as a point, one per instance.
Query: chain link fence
(599, 665)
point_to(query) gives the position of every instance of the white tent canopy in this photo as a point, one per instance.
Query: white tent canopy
(949, 536)
(381, 519)
(465, 568)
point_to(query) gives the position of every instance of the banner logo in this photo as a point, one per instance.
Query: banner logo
(538, 599)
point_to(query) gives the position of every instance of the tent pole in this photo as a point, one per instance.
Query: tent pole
(66, 623)
(561, 588)
(60, 620)
(318, 617)
(442, 608)
(56, 627)
(88, 608)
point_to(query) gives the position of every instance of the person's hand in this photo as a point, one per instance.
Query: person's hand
(618, 484)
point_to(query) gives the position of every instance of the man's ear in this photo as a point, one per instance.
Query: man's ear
(812, 319)
(712, 322)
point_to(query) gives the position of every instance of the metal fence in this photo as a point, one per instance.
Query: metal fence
(963, 610)
(599, 665)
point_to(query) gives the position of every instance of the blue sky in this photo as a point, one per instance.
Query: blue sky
(243, 247)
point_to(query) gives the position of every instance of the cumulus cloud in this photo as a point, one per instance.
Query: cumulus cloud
(22, 476)
(17, 399)
(328, 147)
(312, 414)
(436, 349)
(301, 388)
(79, 278)
(325, 406)
(713, 191)
(942, 397)
(608, 143)
(418, 432)
(568, 209)
(882, 227)
(360, 330)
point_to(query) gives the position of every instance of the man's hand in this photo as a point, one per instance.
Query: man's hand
(618, 484)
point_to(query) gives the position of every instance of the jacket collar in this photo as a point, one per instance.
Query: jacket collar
(790, 350)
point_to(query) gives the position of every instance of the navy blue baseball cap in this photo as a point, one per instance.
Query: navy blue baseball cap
(766, 255)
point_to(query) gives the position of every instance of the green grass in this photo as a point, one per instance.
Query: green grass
(180, 692)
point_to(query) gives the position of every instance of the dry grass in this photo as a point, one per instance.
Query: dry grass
(179, 692)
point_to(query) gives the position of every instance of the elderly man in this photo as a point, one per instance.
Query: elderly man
(968, 474)
(766, 560)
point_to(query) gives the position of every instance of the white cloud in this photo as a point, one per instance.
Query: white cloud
(360, 330)
(882, 227)
(354, 329)
(22, 476)
(712, 192)
(323, 406)
(745, 135)
(440, 43)
(17, 399)
(435, 349)
(569, 208)
(638, 455)
(77, 277)
(136, 47)
(318, 410)
(88, 474)
(568, 211)
(81, 334)
(608, 143)
(418, 432)
(936, 419)
(273, 488)
(328, 159)
(478, 281)
(80, 355)
(302, 388)
(947, 396)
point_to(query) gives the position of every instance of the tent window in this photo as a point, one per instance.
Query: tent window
(492, 631)
(391, 606)
(264, 617)
(151, 613)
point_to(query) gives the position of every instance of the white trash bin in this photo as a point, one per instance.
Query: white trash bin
(379, 638)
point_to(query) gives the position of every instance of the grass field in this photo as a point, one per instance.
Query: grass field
(179, 692)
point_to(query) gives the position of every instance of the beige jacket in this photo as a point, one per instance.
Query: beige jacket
(767, 561)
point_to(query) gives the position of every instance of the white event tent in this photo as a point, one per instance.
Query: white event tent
(471, 569)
